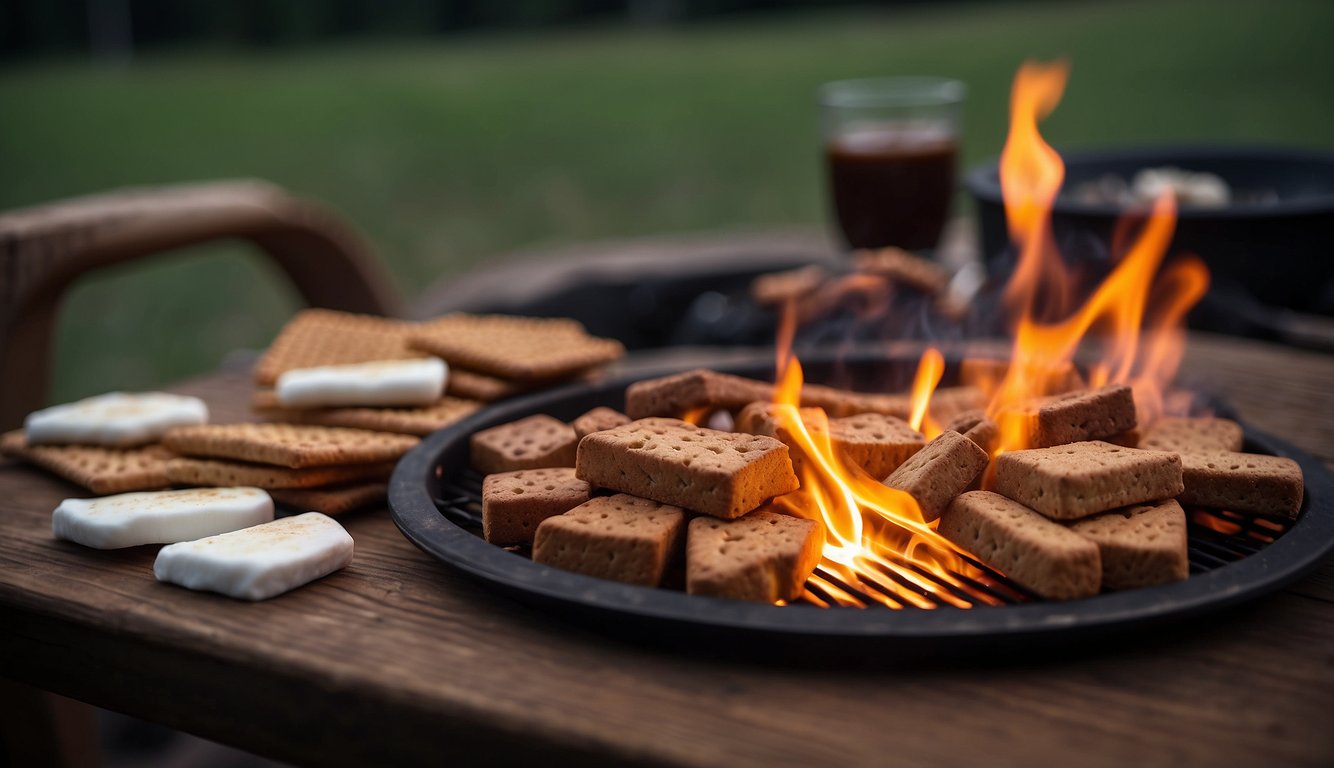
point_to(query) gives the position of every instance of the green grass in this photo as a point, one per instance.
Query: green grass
(446, 153)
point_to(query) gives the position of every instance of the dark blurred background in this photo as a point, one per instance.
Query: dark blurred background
(452, 132)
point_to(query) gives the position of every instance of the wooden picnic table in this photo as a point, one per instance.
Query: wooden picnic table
(399, 659)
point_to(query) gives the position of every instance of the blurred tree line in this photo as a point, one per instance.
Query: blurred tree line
(117, 28)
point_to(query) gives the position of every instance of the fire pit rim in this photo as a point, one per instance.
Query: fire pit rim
(414, 511)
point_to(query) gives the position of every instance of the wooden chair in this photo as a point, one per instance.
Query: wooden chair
(44, 248)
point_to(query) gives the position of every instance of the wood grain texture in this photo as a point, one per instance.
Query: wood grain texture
(398, 659)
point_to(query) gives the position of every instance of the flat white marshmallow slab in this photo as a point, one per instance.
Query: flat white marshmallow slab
(260, 562)
(380, 383)
(116, 419)
(159, 517)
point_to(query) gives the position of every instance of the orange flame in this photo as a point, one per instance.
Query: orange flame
(929, 370)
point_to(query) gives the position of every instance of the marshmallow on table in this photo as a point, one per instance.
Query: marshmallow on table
(159, 517)
(380, 383)
(116, 419)
(260, 562)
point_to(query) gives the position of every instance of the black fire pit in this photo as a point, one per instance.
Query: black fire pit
(436, 501)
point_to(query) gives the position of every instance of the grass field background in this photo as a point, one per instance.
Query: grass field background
(449, 152)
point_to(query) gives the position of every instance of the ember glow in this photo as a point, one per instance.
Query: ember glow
(877, 545)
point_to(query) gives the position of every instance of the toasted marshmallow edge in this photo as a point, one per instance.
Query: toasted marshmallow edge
(260, 562)
(116, 419)
(380, 383)
(159, 517)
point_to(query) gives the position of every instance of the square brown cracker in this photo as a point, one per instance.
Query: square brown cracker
(192, 471)
(288, 445)
(1193, 435)
(1140, 546)
(1077, 416)
(873, 441)
(598, 419)
(101, 470)
(974, 425)
(939, 472)
(518, 348)
(332, 501)
(1042, 555)
(1243, 482)
(515, 503)
(619, 537)
(723, 474)
(315, 337)
(1081, 479)
(419, 421)
(529, 443)
(763, 556)
(478, 386)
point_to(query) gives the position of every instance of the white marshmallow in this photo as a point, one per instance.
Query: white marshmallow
(380, 383)
(260, 562)
(115, 419)
(159, 517)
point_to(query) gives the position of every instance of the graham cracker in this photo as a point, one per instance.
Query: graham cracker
(974, 425)
(1043, 556)
(598, 419)
(1140, 546)
(903, 268)
(873, 441)
(419, 421)
(619, 537)
(1193, 435)
(1080, 416)
(101, 470)
(288, 445)
(1068, 482)
(519, 348)
(479, 386)
(515, 503)
(723, 474)
(939, 472)
(190, 471)
(333, 501)
(315, 337)
(1243, 482)
(763, 556)
(529, 443)
(778, 287)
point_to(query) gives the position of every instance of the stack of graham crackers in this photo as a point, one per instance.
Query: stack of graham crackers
(1074, 516)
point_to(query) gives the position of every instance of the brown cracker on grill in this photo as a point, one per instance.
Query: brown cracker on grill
(315, 337)
(873, 441)
(1079, 416)
(974, 425)
(515, 503)
(100, 470)
(529, 443)
(1141, 545)
(903, 268)
(678, 394)
(288, 445)
(1193, 435)
(598, 419)
(419, 421)
(191, 471)
(518, 348)
(939, 472)
(618, 537)
(1043, 556)
(778, 287)
(332, 501)
(723, 474)
(763, 556)
(1243, 482)
(1068, 482)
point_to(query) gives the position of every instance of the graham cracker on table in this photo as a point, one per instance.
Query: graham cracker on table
(101, 470)
(620, 537)
(515, 503)
(479, 386)
(1193, 435)
(315, 337)
(517, 348)
(530, 443)
(288, 445)
(1140, 546)
(1071, 481)
(724, 474)
(1243, 482)
(419, 421)
(939, 472)
(334, 500)
(598, 419)
(191, 471)
(1042, 555)
(763, 556)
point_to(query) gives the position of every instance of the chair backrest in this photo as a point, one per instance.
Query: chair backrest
(43, 249)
